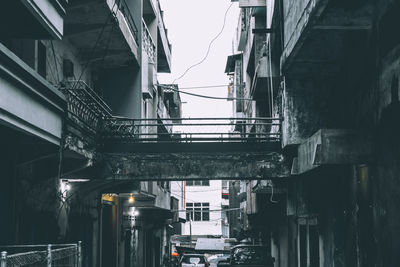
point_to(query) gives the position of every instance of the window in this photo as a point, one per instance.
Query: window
(198, 211)
(198, 183)
(308, 243)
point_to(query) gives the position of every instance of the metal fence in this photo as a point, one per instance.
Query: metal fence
(192, 130)
(51, 255)
(87, 112)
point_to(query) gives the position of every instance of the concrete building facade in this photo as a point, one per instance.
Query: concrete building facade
(67, 69)
(329, 70)
(202, 203)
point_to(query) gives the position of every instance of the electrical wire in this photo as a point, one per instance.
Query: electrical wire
(208, 86)
(209, 47)
(95, 44)
(205, 96)
(217, 210)
(201, 191)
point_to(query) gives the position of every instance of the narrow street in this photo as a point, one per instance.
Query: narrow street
(199, 133)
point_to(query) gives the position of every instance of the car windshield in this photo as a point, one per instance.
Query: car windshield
(193, 259)
(249, 255)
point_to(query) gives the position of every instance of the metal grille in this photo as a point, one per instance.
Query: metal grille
(68, 255)
(148, 43)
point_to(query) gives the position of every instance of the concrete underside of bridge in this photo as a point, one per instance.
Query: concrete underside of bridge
(185, 161)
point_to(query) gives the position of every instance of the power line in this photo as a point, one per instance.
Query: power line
(225, 210)
(201, 191)
(205, 96)
(209, 47)
(209, 86)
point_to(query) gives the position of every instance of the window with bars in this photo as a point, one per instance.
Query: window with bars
(198, 211)
(198, 183)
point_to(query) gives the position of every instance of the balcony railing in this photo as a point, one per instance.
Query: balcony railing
(84, 105)
(124, 8)
(192, 130)
(148, 43)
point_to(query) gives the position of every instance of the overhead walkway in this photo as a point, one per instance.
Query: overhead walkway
(175, 148)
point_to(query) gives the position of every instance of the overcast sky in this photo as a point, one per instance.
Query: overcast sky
(191, 25)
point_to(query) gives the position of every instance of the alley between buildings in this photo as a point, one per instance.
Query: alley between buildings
(154, 133)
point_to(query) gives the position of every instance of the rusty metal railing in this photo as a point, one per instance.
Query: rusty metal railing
(192, 130)
(85, 106)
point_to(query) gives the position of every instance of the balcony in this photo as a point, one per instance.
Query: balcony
(242, 29)
(28, 102)
(265, 76)
(163, 45)
(33, 19)
(149, 62)
(172, 101)
(104, 32)
(313, 27)
(86, 110)
(153, 15)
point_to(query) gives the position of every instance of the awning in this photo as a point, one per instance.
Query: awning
(230, 63)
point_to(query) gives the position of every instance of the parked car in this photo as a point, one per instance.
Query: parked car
(251, 256)
(194, 260)
(216, 259)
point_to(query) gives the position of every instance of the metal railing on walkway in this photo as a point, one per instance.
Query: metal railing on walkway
(86, 108)
(192, 130)
(50, 255)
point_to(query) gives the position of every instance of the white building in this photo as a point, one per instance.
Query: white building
(202, 204)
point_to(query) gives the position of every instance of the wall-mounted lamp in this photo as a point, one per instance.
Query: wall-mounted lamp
(131, 199)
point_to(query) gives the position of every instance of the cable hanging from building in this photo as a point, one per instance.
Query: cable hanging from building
(209, 47)
(204, 96)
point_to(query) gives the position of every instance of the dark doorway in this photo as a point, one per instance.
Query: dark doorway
(109, 236)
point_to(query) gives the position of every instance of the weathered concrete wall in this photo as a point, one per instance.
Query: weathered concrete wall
(187, 166)
(298, 15)
(311, 103)
(54, 63)
(329, 198)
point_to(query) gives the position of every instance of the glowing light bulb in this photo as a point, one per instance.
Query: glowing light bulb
(131, 199)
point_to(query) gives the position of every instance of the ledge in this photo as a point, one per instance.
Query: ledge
(332, 147)
(33, 105)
